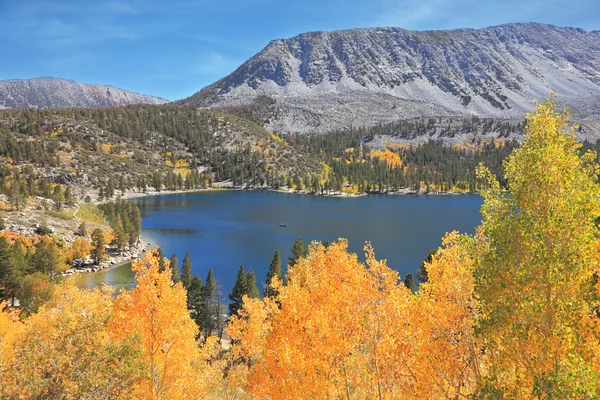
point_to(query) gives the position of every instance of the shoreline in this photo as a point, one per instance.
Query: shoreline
(127, 255)
(401, 192)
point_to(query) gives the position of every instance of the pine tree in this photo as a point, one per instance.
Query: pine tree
(299, 250)
(98, 246)
(161, 259)
(209, 314)
(409, 282)
(6, 267)
(186, 270)
(422, 271)
(174, 265)
(68, 196)
(274, 271)
(240, 288)
(195, 298)
(251, 288)
(46, 258)
(82, 230)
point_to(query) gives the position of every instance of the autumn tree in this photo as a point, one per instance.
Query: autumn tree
(64, 350)
(538, 257)
(176, 367)
(299, 344)
(80, 248)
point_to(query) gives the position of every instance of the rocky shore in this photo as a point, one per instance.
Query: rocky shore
(114, 259)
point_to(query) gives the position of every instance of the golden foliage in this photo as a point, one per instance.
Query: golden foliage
(389, 157)
(535, 276)
(511, 312)
(276, 138)
(106, 147)
(79, 249)
(307, 344)
(64, 351)
(91, 213)
(157, 310)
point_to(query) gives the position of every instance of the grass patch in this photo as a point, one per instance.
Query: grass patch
(91, 213)
(64, 215)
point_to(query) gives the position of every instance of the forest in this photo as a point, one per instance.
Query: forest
(509, 312)
(140, 148)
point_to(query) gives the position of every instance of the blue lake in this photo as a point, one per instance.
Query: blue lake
(224, 229)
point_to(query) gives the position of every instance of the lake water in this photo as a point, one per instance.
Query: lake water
(224, 229)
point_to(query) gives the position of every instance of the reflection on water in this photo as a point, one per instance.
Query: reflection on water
(121, 277)
(173, 230)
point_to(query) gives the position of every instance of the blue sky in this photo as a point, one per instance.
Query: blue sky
(174, 48)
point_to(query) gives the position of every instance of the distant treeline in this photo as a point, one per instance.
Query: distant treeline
(341, 160)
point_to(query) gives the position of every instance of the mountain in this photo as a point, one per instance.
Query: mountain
(51, 92)
(322, 81)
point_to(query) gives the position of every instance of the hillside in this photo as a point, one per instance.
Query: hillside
(323, 81)
(51, 92)
(137, 147)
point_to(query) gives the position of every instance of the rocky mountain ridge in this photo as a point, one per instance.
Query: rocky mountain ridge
(322, 81)
(49, 92)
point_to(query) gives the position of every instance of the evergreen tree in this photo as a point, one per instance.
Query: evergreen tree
(240, 288)
(209, 314)
(299, 250)
(422, 271)
(195, 298)
(174, 264)
(68, 196)
(18, 195)
(6, 267)
(82, 230)
(186, 270)
(19, 264)
(46, 258)
(251, 288)
(409, 282)
(98, 246)
(274, 271)
(161, 259)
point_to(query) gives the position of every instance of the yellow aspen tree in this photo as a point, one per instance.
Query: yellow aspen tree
(156, 309)
(64, 351)
(534, 278)
(10, 329)
(430, 350)
(343, 330)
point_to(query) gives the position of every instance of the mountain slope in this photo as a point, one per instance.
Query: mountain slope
(50, 92)
(331, 80)
(85, 148)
